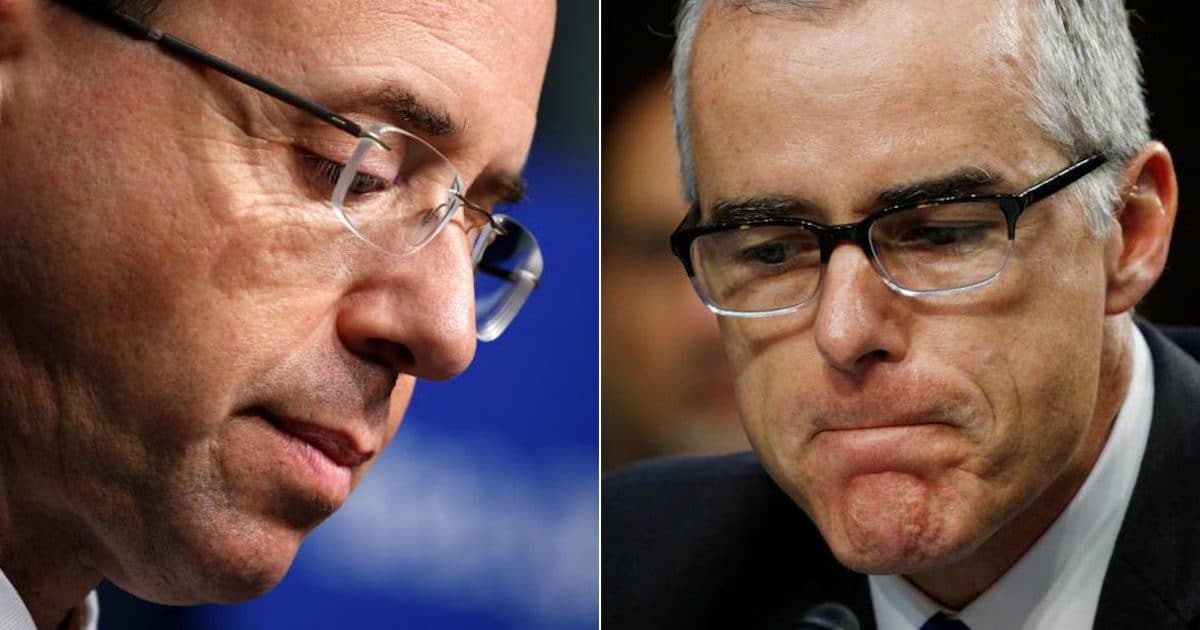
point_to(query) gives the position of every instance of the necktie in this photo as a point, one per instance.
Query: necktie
(941, 622)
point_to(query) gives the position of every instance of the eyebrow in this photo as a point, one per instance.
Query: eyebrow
(960, 183)
(507, 187)
(760, 208)
(402, 105)
(963, 182)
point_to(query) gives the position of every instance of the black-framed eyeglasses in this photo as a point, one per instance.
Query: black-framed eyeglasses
(389, 187)
(773, 265)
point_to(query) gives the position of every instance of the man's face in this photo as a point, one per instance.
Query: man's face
(666, 385)
(175, 296)
(910, 429)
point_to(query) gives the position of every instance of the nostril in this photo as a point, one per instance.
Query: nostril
(396, 356)
(874, 357)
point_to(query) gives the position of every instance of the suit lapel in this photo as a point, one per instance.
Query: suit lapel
(1153, 579)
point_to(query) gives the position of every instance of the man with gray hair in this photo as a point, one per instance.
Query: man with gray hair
(923, 226)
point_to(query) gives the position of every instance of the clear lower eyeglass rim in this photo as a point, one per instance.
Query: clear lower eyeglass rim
(887, 279)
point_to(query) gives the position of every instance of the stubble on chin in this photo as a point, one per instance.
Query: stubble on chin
(889, 524)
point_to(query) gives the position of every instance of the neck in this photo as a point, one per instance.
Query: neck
(41, 552)
(960, 583)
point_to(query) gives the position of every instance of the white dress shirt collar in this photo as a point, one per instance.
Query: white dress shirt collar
(15, 616)
(1057, 583)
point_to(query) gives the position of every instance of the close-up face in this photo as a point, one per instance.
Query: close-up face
(911, 429)
(181, 304)
(666, 386)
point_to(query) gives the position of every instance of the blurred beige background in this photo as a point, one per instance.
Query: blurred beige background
(665, 387)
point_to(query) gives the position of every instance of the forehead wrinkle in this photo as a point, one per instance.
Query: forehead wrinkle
(474, 101)
(856, 80)
(816, 11)
(465, 55)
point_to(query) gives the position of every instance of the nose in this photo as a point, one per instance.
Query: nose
(859, 321)
(416, 314)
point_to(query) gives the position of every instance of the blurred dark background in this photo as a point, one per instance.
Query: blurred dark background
(637, 40)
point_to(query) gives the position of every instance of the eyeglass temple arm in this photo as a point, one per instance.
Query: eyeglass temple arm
(178, 47)
(690, 220)
(474, 207)
(505, 274)
(1064, 178)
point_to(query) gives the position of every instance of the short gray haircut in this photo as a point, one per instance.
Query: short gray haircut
(1085, 87)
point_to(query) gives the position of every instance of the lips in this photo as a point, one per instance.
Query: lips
(337, 446)
(859, 422)
(890, 423)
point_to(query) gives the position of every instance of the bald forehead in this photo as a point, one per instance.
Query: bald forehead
(483, 30)
(472, 70)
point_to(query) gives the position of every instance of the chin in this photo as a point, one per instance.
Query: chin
(891, 548)
(208, 584)
(226, 562)
(899, 527)
(900, 560)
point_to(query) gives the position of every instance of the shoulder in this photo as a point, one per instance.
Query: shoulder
(672, 482)
(1173, 353)
(1186, 337)
(703, 542)
(672, 504)
(1155, 566)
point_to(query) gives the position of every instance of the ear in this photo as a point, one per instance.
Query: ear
(1136, 248)
(16, 19)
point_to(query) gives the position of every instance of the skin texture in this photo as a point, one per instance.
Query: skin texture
(933, 437)
(667, 389)
(166, 273)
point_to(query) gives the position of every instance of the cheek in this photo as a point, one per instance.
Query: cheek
(769, 359)
(398, 402)
(1045, 406)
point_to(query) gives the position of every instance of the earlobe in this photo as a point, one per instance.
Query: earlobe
(1137, 246)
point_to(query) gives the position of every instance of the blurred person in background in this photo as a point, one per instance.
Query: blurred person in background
(924, 226)
(213, 287)
(666, 386)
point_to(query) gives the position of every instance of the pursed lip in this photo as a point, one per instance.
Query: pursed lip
(339, 446)
(861, 423)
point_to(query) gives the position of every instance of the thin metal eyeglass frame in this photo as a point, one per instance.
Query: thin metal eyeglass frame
(523, 281)
(828, 236)
(177, 47)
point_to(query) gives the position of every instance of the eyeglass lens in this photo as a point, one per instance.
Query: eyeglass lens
(508, 267)
(937, 247)
(397, 192)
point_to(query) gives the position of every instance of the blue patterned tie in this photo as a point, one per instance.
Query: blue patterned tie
(941, 622)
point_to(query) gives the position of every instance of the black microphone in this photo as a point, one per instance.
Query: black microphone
(828, 616)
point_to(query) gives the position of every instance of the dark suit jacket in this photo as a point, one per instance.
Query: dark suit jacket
(713, 542)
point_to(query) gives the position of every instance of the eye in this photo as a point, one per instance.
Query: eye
(933, 235)
(784, 250)
(328, 172)
(767, 253)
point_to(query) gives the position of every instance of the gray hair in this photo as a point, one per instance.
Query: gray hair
(1085, 87)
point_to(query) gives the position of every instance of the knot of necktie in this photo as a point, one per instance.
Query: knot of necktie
(942, 622)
